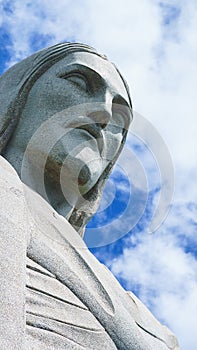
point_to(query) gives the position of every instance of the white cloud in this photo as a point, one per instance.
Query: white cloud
(166, 279)
(55, 21)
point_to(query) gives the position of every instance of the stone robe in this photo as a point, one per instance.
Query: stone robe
(54, 293)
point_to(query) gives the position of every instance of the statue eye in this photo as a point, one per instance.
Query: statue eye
(77, 79)
(121, 113)
(119, 119)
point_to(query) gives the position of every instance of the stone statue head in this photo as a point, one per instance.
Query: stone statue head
(81, 90)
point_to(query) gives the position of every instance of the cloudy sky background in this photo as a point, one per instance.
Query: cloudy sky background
(153, 43)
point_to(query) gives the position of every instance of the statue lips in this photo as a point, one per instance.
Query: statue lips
(95, 131)
(93, 128)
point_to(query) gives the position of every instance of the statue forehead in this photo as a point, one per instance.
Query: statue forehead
(97, 64)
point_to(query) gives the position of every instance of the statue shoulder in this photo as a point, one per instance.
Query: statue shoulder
(6, 170)
(11, 193)
(12, 256)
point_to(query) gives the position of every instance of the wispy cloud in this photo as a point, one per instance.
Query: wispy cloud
(164, 274)
(34, 25)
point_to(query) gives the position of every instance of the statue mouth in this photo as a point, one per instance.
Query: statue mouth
(95, 131)
(92, 128)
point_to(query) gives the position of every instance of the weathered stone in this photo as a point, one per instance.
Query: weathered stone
(70, 300)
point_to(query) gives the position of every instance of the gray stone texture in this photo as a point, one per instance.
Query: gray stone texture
(54, 293)
(72, 301)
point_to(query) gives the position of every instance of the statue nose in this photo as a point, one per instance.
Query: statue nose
(101, 114)
(100, 117)
(102, 111)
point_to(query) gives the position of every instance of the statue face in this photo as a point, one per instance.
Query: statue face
(81, 92)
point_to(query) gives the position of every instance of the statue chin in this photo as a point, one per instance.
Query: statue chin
(84, 167)
(82, 175)
(89, 175)
(72, 177)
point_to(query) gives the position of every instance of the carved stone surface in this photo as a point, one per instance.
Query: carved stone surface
(54, 292)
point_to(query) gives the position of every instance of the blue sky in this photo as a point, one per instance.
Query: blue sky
(154, 45)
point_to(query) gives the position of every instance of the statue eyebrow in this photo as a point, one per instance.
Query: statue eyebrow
(91, 77)
(79, 68)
